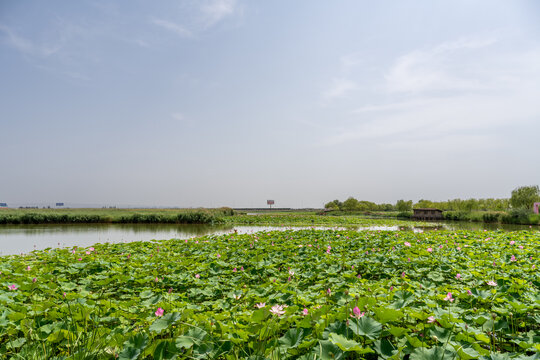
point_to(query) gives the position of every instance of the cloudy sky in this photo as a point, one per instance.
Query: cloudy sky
(222, 102)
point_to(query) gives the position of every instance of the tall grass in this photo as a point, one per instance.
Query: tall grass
(123, 216)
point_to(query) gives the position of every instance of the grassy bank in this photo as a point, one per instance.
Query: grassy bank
(120, 216)
(513, 217)
(315, 220)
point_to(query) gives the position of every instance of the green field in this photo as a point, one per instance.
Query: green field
(308, 294)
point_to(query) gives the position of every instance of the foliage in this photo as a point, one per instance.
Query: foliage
(147, 216)
(524, 197)
(293, 219)
(304, 294)
(404, 206)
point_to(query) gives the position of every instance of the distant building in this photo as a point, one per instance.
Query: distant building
(427, 214)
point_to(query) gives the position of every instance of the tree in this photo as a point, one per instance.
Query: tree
(333, 205)
(524, 197)
(423, 204)
(403, 205)
(350, 204)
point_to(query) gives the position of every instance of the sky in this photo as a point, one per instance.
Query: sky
(230, 102)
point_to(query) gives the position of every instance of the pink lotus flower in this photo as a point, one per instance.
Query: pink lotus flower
(329, 292)
(458, 276)
(407, 243)
(491, 283)
(234, 270)
(241, 268)
(512, 242)
(79, 259)
(458, 248)
(156, 279)
(521, 247)
(305, 312)
(197, 276)
(88, 253)
(34, 280)
(260, 305)
(278, 310)
(12, 287)
(91, 249)
(429, 249)
(431, 319)
(513, 258)
(28, 268)
(159, 311)
(356, 313)
(170, 290)
(403, 274)
(218, 256)
(469, 292)
(449, 297)
(291, 272)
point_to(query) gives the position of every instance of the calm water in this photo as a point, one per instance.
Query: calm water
(16, 239)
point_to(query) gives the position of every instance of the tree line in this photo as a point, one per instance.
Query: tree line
(522, 198)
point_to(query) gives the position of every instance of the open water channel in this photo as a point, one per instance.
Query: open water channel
(17, 239)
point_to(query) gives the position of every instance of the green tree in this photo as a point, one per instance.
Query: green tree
(423, 204)
(333, 205)
(524, 197)
(403, 205)
(350, 204)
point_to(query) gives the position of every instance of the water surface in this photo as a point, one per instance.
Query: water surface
(16, 239)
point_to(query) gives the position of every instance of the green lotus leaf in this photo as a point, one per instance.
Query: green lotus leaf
(366, 326)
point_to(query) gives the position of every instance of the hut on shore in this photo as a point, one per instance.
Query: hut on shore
(427, 214)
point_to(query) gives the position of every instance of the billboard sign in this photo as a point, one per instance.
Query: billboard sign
(59, 204)
(269, 202)
(3, 204)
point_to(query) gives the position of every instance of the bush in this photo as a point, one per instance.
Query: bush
(517, 216)
(405, 214)
(492, 217)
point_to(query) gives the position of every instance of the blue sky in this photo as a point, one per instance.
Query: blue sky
(230, 103)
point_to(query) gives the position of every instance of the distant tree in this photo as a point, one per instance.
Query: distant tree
(524, 197)
(385, 207)
(333, 205)
(422, 204)
(403, 205)
(366, 205)
(350, 204)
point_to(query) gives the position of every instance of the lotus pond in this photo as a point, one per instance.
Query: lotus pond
(307, 294)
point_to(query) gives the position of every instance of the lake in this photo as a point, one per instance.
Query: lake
(16, 239)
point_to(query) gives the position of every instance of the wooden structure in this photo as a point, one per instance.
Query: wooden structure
(427, 214)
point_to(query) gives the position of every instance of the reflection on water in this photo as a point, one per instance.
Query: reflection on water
(16, 239)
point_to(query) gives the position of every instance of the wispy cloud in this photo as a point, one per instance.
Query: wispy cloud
(445, 67)
(26, 46)
(339, 88)
(197, 17)
(216, 10)
(451, 91)
(172, 26)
